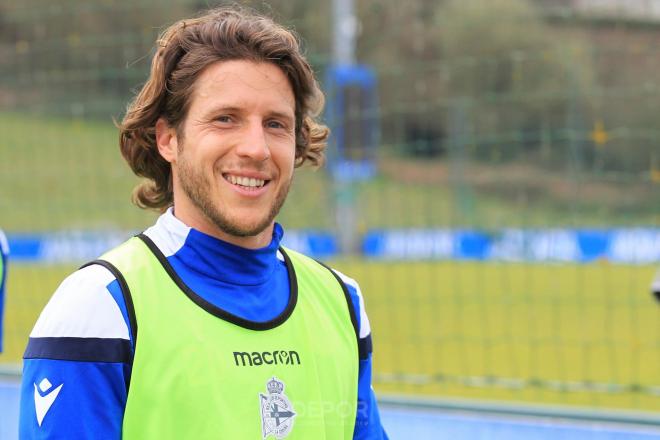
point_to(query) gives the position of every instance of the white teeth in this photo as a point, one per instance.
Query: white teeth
(245, 181)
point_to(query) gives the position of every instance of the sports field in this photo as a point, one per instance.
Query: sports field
(576, 334)
(564, 334)
(513, 157)
(587, 335)
(567, 334)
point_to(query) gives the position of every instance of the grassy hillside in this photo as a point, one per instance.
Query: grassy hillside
(64, 173)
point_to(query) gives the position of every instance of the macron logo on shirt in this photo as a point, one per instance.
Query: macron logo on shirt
(43, 398)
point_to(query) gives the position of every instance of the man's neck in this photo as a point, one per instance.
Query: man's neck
(198, 254)
(202, 224)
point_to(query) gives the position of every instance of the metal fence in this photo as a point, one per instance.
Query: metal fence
(505, 243)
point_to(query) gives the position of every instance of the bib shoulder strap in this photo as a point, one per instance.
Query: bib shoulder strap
(363, 348)
(125, 291)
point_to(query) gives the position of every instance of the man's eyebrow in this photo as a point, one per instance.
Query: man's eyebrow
(282, 115)
(232, 109)
(222, 109)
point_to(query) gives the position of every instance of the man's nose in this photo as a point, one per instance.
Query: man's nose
(254, 145)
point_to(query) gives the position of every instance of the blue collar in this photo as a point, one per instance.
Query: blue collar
(218, 260)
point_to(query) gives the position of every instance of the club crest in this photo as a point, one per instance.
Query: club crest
(277, 413)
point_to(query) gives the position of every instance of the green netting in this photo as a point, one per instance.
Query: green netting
(489, 118)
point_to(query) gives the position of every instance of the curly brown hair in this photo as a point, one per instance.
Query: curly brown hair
(183, 51)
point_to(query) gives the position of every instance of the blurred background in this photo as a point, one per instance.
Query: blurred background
(493, 183)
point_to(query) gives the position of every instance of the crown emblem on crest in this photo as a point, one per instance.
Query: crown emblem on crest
(274, 386)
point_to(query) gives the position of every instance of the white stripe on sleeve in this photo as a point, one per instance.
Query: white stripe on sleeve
(4, 246)
(82, 307)
(365, 328)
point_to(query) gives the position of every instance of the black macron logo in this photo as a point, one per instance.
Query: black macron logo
(277, 357)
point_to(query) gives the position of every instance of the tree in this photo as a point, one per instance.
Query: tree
(508, 75)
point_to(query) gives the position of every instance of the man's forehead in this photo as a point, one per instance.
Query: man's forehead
(226, 78)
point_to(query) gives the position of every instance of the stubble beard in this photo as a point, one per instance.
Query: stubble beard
(198, 190)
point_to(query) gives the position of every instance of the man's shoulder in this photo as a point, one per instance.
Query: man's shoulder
(83, 306)
(356, 298)
(348, 281)
(358, 302)
(4, 245)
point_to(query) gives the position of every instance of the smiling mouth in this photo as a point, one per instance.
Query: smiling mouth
(245, 182)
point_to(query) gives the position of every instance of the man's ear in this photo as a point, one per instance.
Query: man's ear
(166, 140)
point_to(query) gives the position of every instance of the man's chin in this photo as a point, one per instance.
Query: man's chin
(242, 229)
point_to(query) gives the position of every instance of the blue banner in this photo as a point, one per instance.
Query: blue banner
(622, 245)
(630, 246)
(77, 247)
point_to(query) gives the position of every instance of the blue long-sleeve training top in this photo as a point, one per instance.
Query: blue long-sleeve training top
(4, 252)
(75, 377)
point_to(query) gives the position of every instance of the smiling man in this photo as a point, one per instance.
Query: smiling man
(234, 154)
(203, 326)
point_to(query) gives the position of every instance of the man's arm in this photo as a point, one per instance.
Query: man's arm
(77, 363)
(4, 253)
(367, 422)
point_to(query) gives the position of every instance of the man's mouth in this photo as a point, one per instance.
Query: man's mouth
(245, 182)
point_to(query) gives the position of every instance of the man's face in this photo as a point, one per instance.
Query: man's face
(232, 163)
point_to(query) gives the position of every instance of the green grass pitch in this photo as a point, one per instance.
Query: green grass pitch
(560, 334)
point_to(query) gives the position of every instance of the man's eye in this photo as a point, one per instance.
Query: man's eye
(275, 124)
(224, 118)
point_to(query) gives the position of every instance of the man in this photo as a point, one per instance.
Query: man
(655, 286)
(203, 327)
(4, 252)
